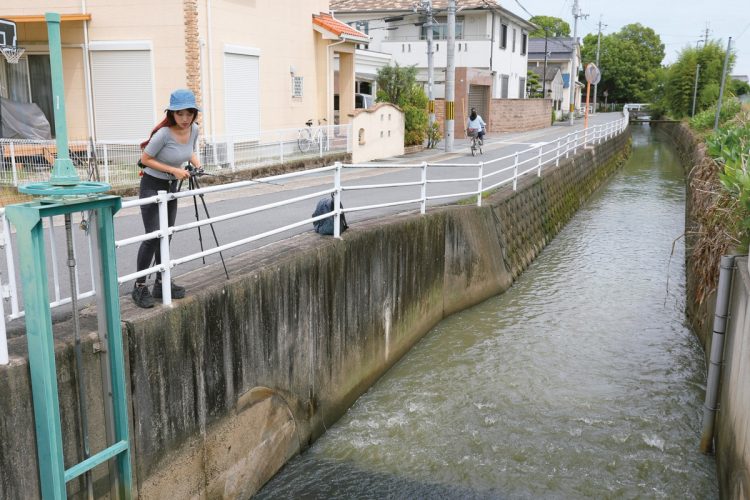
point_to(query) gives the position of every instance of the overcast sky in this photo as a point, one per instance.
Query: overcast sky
(678, 23)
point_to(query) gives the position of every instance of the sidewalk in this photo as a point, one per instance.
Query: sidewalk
(493, 141)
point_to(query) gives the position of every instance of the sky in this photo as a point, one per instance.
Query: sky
(679, 23)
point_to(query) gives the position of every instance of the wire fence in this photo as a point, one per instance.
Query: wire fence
(433, 183)
(24, 161)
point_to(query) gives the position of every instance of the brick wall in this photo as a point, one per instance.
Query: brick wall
(506, 115)
(192, 49)
(518, 115)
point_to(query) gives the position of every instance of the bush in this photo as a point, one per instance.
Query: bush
(705, 119)
(730, 147)
(434, 136)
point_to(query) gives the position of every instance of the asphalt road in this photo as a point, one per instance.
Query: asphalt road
(459, 164)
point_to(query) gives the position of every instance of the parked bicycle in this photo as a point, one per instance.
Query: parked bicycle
(476, 142)
(310, 136)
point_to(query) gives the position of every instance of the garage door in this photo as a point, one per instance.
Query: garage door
(123, 90)
(242, 95)
(478, 95)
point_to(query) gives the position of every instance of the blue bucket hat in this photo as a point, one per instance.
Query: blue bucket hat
(182, 99)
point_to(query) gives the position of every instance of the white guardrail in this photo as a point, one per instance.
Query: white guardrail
(490, 175)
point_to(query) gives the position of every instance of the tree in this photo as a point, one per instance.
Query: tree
(533, 86)
(738, 87)
(555, 27)
(629, 61)
(398, 85)
(675, 96)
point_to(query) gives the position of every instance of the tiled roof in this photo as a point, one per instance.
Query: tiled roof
(539, 70)
(401, 5)
(339, 29)
(561, 45)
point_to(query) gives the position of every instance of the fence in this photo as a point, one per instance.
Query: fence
(435, 183)
(23, 161)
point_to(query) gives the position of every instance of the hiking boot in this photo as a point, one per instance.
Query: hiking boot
(178, 292)
(142, 297)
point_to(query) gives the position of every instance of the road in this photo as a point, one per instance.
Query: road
(128, 221)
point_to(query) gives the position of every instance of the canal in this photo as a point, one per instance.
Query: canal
(581, 381)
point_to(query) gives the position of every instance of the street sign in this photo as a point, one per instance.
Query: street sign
(593, 75)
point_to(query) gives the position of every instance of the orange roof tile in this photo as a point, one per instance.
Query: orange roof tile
(339, 29)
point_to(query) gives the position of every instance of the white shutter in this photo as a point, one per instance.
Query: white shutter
(123, 94)
(478, 99)
(242, 94)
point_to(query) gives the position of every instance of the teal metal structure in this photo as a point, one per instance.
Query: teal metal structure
(27, 219)
(64, 195)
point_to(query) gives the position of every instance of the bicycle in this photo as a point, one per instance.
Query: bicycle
(476, 142)
(309, 136)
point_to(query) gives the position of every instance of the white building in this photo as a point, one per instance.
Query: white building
(488, 37)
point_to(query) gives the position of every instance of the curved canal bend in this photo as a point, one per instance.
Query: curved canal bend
(582, 380)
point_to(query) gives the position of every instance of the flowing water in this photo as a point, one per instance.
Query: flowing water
(581, 381)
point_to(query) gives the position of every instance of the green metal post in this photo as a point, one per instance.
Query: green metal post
(63, 172)
(27, 218)
(30, 240)
(111, 300)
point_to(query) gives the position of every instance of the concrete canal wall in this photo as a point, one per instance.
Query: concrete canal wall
(244, 373)
(732, 439)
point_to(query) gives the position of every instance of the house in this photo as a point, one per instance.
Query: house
(490, 48)
(551, 85)
(488, 36)
(560, 51)
(122, 60)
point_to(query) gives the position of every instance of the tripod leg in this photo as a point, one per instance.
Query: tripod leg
(193, 184)
(216, 239)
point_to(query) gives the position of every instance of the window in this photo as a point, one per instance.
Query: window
(503, 36)
(123, 105)
(297, 86)
(29, 80)
(522, 88)
(440, 29)
(242, 92)
(513, 42)
(524, 41)
(504, 86)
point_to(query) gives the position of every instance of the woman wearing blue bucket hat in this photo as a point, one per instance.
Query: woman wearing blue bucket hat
(173, 143)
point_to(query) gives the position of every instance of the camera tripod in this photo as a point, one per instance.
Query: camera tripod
(194, 184)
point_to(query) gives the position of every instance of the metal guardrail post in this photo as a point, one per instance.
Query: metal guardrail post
(105, 154)
(567, 146)
(423, 190)
(166, 274)
(479, 187)
(11, 268)
(515, 171)
(230, 153)
(575, 143)
(557, 154)
(3, 338)
(13, 165)
(539, 163)
(337, 200)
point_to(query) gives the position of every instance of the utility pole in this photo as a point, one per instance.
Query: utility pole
(705, 36)
(721, 89)
(574, 68)
(598, 45)
(695, 88)
(450, 78)
(544, 76)
(427, 8)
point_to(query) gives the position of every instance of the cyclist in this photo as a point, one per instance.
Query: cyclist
(475, 126)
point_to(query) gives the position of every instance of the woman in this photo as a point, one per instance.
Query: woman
(475, 125)
(172, 143)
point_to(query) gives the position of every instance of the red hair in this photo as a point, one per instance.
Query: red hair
(168, 121)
